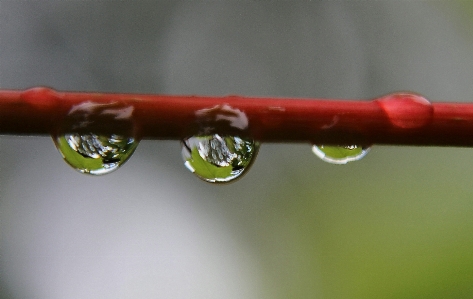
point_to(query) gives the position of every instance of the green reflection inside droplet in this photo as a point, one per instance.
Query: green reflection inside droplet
(214, 158)
(95, 154)
(340, 154)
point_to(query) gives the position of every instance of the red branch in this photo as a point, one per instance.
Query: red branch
(398, 119)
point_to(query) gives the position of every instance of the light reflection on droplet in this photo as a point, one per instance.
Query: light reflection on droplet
(340, 154)
(218, 159)
(95, 154)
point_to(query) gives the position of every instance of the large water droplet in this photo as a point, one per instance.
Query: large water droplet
(218, 159)
(407, 110)
(95, 154)
(91, 152)
(340, 154)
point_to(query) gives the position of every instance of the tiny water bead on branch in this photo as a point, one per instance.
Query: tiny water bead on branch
(220, 136)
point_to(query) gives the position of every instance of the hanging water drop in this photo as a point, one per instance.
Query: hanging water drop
(218, 159)
(95, 154)
(340, 154)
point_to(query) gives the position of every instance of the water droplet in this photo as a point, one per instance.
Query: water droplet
(41, 98)
(95, 154)
(96, 138)
(218, 159)
(406, 110)
(340, 154)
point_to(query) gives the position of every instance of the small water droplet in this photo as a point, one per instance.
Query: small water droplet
(95, 154)
(218, 159)
(407, 110)
(340, 154)
(40, 98)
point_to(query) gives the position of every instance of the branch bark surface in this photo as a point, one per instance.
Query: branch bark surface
(397, 119)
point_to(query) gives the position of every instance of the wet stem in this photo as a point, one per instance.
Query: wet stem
(397, 119)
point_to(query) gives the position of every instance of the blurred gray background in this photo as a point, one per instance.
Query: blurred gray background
(397, 224)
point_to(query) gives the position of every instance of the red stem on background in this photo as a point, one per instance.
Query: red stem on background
(397, 119)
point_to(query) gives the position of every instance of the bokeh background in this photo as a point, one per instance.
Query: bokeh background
(397, 224)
